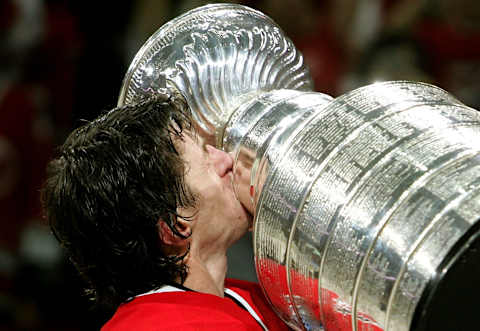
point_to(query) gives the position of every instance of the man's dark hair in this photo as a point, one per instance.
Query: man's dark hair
(114, 178)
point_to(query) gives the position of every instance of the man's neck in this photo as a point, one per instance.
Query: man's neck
(206, 276)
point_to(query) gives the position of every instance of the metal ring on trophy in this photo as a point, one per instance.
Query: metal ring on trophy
(367, 206)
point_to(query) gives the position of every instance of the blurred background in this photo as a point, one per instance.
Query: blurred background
(63, 61)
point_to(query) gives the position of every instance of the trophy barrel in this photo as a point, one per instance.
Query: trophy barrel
(366, 206)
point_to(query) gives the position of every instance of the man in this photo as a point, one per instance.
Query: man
(146, 214)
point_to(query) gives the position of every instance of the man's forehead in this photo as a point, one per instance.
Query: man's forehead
(187, 138)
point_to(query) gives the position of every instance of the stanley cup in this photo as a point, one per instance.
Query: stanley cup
(366, 206)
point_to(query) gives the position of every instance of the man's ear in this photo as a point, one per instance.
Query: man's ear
(171, 239)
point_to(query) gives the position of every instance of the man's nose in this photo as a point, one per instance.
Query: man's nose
(221, 161)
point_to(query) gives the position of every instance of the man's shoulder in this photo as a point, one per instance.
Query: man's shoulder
(187, 310)
(253, 293)
(184, 310)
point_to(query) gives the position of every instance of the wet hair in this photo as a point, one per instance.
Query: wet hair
(113, 180)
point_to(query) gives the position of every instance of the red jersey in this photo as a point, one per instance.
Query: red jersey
(189, 310)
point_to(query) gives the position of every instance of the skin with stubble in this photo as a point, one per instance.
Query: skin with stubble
(219, 218)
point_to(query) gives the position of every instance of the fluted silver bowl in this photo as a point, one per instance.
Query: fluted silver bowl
(218, 56)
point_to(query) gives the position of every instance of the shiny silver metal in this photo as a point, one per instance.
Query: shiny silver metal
(358, 200)
(218, 56)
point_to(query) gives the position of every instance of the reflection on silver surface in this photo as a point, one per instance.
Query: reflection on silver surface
(357, 199)
(218, 56)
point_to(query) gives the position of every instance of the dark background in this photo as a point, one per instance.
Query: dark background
(62, 62)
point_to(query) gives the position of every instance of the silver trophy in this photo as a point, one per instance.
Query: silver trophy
(366, 206)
